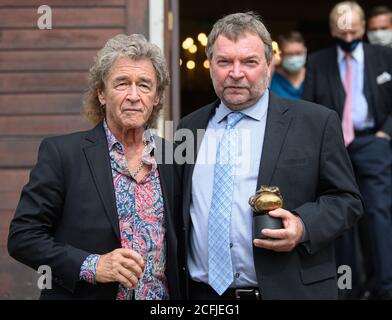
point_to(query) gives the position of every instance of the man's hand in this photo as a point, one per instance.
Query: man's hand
(121, 265)
(283, 240)
(382, 134)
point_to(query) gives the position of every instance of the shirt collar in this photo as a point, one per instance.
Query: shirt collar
(256, 111)
(148, 138)
(357, 54)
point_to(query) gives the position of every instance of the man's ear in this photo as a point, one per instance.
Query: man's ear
(156, 100)
(270, 69)
(101, 96)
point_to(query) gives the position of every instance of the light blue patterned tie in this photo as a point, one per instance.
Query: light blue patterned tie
(220, 270)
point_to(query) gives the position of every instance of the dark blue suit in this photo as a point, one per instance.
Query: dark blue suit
(371, 158)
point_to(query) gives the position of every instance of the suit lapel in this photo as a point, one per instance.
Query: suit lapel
(97, 155)
(166, 180)
(278, 121)
(335, 82)
(164, 170)
(369, 75)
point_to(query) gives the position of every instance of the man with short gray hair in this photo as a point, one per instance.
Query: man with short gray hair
(251, 138)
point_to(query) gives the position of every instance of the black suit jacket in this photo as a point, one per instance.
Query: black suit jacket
(67, 211)
(324, 86)
(304, 155)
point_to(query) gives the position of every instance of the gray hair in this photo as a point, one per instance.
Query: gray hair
(339, 9)
(135, 47)
(236, 25)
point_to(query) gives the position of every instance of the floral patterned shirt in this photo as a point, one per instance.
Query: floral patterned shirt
(141, 216)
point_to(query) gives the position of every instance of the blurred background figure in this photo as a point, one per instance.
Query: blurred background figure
(288, 78)
(379, 26)
(354, 79)
(277, 58)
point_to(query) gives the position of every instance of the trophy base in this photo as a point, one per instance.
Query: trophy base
(265, 222)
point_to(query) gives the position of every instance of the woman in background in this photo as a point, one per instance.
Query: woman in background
(288, 78)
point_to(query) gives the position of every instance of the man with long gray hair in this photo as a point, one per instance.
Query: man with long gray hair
(261, 140)
(99, 208)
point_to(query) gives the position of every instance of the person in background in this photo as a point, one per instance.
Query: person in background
(379, 26)
(288, 78)
(354, 79)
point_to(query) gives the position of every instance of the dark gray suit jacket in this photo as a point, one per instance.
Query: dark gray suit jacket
(304, 155)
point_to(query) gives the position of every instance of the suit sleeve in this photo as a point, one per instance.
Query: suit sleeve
(31, 237)
(385, 93)
(387, 126)
(339, 204)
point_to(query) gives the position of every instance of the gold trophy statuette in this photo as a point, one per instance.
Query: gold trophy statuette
(266, 199)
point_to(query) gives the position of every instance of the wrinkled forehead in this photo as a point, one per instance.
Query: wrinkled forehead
(124, 64)
(244, 38)
(236, 35)
(244, 45)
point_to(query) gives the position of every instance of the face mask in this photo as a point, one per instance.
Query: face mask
(347, 46)
(294, 64)
(380, 37)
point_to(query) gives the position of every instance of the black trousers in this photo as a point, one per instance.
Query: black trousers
(202, 291)
(372, 159)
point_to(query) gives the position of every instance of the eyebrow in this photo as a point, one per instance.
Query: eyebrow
(245, 58)
(120, 78)
(252, 57)
(123, 78)
(220, 57)
(145, 79)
